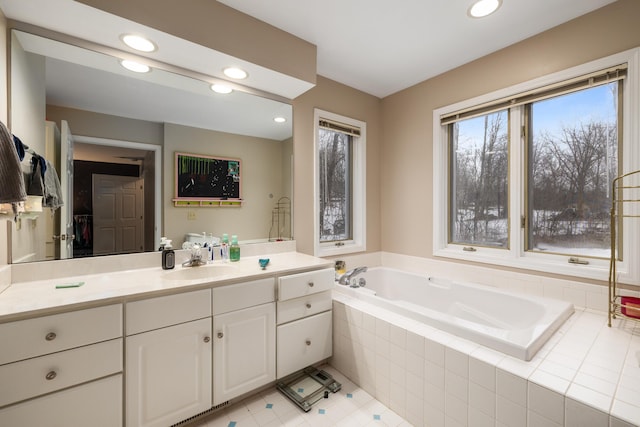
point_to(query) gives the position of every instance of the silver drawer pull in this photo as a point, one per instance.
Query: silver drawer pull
(308, 305)
(308, 342)
(310, 284)
(51, 375)
(207, 339)
(220, 335)
(50, 336)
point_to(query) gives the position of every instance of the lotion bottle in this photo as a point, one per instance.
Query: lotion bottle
(234, 249)
(168, 256)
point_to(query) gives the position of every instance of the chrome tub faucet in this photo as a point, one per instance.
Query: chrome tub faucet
(345, 279)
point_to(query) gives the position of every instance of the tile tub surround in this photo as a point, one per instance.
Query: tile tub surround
(586, 375)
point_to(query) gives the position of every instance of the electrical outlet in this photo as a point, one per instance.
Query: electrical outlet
(191, 215)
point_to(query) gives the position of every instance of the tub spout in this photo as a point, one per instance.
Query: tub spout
(346, 277)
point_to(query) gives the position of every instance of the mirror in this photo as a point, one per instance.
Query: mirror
(126, 125)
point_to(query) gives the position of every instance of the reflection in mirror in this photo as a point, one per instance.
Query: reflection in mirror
(121, 131)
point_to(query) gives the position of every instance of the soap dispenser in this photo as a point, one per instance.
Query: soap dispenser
(234, 249)
(168, 256)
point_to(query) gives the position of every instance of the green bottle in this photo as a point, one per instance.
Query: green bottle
(234, 249)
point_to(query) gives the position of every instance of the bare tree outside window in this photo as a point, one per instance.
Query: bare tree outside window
(335, 185)
(479, 167)
(574, 157)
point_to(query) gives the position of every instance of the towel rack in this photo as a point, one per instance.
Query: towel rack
(625, 203)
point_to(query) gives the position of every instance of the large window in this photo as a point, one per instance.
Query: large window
(340, 184)
(523, 176)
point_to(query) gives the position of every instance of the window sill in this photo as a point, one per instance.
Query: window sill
(556, 265)
(332, 250)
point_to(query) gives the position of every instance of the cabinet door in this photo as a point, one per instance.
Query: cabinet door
(168, 374)
(244, 351)
(96, 404)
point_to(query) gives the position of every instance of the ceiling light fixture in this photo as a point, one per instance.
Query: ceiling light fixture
(235, 73)
(279, 119)
(136, 67)
(139, 43)
(482, 8)
(220, 88)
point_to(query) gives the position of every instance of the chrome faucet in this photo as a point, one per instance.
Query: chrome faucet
(345, 279)
(196, 258)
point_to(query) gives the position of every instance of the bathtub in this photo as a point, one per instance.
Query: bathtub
(514, 324)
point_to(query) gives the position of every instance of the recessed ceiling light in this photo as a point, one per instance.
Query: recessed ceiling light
(136, 67)
(139, 43)
(235, 73)
(482, 8)
(279, 120)
(220, 88)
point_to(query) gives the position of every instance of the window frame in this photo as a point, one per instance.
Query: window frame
(516, 255)
(358, 194)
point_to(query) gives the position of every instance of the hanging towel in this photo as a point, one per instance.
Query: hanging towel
(19, 147)
(52, 191)
(12, 189)
(35, 180)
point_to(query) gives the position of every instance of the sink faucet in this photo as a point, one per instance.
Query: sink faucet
(196, 258)
(346, 277)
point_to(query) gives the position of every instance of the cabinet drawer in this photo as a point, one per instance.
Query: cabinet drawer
(298, 308)
(96, 404)
(243, 295)
(159, 312)
(298, 285)
(40, 375)
(303, 343)
(49, 334)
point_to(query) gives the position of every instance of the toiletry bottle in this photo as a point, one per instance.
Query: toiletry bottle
(168, 256)
(234, 249)
(224, 247)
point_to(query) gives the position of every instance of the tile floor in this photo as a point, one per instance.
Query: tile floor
(349, 407)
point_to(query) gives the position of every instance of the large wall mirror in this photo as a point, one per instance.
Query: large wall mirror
(112, 135)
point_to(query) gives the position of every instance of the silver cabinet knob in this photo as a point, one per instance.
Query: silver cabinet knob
(220, 335)
(50, 336)
(308, 305)
(310, 284)
(207, 339)
(51, 375)
(308, 342)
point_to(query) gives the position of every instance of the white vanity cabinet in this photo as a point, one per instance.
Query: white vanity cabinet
(168, 358)
(63, 369)
(304, 320)
(244, 347)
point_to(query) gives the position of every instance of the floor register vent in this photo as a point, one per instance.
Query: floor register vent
(308, 386)
(201, 414)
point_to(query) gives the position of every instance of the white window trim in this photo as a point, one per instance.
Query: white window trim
(359, 223)
(515, 256)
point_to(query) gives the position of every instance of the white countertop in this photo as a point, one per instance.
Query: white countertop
(28, 299)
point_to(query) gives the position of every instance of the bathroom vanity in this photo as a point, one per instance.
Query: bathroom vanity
(149, 347)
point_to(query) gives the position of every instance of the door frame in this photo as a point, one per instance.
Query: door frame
(157, 178)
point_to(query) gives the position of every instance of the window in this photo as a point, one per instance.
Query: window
(523, 175)
(340, 184)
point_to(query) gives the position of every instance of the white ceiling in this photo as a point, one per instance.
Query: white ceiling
(383, 46)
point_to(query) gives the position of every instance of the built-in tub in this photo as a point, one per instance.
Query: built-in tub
(515, 324)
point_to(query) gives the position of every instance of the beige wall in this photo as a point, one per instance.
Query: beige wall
(261, 174)
(407, 116)
(334, 97)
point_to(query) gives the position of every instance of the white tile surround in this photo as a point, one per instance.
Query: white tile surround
(586, 375)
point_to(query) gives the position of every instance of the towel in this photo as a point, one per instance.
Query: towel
(52, 190)
(12, 189)
(19, 147)
(35, 180)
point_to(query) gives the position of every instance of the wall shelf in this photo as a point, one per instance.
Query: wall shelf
(181, 203)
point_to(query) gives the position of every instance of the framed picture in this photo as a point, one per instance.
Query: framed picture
(207, 178)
